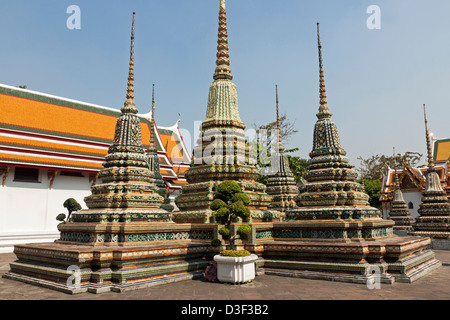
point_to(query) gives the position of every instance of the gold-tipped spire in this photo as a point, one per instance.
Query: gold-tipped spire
(280, 145)
(431, 166)
(223, 70)
(152, 147)
(324, 111)
(396, 184)
(129, 105)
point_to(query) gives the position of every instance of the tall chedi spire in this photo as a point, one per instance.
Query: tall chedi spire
(129, 105)
(222, 101)
(324, 112)
(280, 182)
(430, 160)
(222, 152)
(279, 140)
(127, 193)
(153, 159)
(223, 70)
(434, 211)
(331, 191)
(399, 210)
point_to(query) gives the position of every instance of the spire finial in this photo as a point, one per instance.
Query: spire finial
(324, 112)
(223, 70)
(129, 105)
(153, 102)
(395, 170)
(152, 147)
(431, 166)
(280, 145)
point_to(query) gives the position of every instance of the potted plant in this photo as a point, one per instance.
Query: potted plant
(229, 204)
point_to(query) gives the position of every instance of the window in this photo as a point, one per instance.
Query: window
(71, 174)
(410, 205)
(26, 174)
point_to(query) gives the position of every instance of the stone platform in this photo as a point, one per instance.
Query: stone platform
(285, 292)
(281, 251)
(401, 260)
(302, 249)
(104, 269)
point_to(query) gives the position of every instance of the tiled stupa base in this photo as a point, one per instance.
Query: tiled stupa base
(182, 251)
(398, 259)
(108, 268)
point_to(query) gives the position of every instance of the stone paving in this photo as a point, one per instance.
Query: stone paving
(435, 286)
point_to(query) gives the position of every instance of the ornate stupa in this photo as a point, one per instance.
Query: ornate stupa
(128, 192)
(152, 154)
(399, 210)
(125, 240)
(434, 211)
(281, 183)
(331, 191)
(222, 152)
(335, 234)
(153, 160)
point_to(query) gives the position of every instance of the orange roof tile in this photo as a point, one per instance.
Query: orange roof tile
(43, 130)
(442, 150)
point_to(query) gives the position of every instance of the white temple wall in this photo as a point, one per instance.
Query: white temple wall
(28, 210)
(416, 199)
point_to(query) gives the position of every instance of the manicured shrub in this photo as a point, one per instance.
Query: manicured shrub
(61, 217)
(235, 253)
(243, 231)
(229, 204)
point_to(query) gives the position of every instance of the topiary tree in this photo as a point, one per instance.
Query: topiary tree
(61, 217)
(228, 204)
(71, 205)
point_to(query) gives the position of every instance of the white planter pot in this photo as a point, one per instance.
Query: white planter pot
(235, 269)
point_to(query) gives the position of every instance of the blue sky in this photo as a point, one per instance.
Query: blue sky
(377, 80)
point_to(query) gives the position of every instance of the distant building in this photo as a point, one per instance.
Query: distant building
(412, 180)
(51, 149)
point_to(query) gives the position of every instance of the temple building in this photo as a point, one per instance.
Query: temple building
(52, 148)
(412, 180)
(222, 152)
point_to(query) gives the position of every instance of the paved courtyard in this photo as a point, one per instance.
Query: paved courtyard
(435, 286)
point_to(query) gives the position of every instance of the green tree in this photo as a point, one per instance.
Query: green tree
(373, 189)
(228, 204)
(287, 129)
(298, 166)
(71, 205)
(374, 167)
